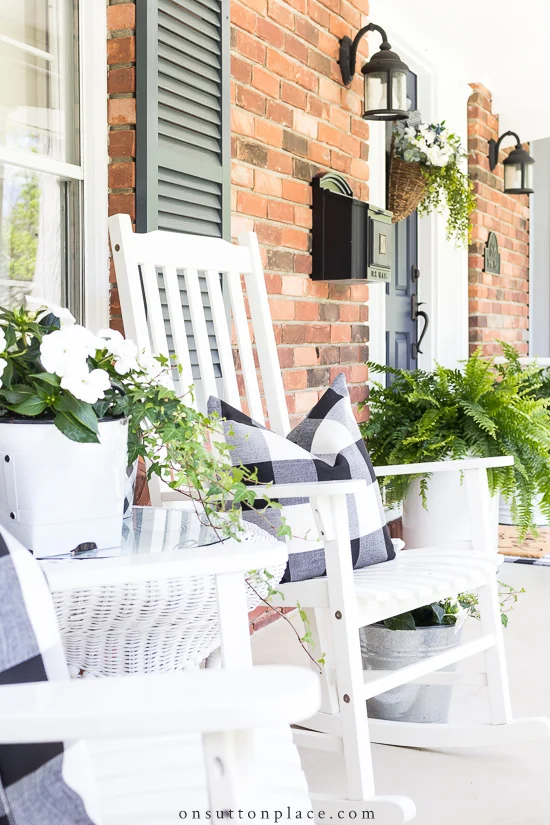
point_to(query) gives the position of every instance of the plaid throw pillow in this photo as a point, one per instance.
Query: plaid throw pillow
(326, 446)
(49, 782)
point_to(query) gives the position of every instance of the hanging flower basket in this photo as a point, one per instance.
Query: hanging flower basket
(406, 187)
(425, 173)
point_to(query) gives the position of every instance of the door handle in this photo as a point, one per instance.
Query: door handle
(415, 314)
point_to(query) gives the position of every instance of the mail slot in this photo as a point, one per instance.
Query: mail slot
(352, 240)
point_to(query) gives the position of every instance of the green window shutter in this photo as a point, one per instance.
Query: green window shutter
(182, 129)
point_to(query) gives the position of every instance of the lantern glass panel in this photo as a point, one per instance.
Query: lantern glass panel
(512, 176)
(399, 91)
(528, 182)
(376, 91)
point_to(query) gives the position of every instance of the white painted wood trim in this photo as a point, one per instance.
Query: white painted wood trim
(444, 466)
(440, 677)
(129, 282)
(95, 159)
(495, 657)
(39, 163)
(200, 332)
(396, 678)
(348, 664)
(26, 47)
(248, 366)
(233, 618)
(155, 318)
(223, 339)
(179, 333)
(377, 292)
(418, 735)
(167, 704)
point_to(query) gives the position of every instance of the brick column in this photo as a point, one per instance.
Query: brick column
(498, 304)
(291, 119)
(121, 87)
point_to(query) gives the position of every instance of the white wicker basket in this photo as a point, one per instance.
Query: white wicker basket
(146, 627)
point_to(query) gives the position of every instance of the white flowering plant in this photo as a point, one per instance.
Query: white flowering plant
(440, 156)
(53, 369)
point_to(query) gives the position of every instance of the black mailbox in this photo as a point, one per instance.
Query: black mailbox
(352, 240)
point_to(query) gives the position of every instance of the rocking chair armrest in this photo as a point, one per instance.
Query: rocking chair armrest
(203, 701)
(456, 465)
(309, 489)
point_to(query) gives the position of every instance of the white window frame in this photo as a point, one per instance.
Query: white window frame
(92, 171)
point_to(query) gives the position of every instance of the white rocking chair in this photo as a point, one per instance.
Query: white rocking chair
(345, 600)
(160, 744)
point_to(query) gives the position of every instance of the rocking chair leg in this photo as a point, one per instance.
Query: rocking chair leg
(345, 636)
(497, 675)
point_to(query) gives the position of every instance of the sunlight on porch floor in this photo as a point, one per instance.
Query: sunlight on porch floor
(485, 786)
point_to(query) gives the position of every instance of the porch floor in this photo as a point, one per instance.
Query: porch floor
(486, 786)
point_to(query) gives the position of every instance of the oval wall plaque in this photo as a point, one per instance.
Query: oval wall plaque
(492, 255)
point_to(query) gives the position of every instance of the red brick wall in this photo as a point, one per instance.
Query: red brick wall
(291, 119)
(121, 109)
(498, 304)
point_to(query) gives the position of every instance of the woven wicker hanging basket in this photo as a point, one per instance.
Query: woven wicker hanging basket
(406, 187)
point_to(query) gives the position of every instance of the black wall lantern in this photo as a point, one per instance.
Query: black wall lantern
(518, 166)
(385, 77)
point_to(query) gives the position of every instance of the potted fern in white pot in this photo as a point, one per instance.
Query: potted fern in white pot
(481, 410)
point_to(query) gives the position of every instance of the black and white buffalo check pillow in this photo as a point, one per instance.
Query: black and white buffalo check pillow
(48, 783)
(326, 446)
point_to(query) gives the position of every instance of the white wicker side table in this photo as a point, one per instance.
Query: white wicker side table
(135, 609)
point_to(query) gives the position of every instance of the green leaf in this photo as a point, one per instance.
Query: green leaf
(17, 393)
(74, 430)
(7, 375)
(48, 378)
(439, 612)
(32, 405)
(82, 413)
(405, 621)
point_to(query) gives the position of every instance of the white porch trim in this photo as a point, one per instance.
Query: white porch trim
(95, 158)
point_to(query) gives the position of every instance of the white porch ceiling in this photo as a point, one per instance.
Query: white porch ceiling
(500, 43)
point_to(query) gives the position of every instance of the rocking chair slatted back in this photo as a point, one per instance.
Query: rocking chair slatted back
(147, 263)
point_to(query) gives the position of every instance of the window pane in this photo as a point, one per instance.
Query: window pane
(38, 48)
(32, 221)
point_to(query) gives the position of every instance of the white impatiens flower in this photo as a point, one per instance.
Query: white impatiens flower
(3, 365)
(3, 341)
(66, 350)
(87, 386)
(66, 318)
(123, 350)
(155, 372)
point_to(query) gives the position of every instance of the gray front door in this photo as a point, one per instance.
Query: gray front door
(401, 323)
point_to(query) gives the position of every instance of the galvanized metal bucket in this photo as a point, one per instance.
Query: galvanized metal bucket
(384, 649)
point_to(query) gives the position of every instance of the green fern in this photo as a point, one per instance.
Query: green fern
(484, 409)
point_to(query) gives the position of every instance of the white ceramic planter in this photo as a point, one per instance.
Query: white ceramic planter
(446, 518)
(56, 494)
(505, 516)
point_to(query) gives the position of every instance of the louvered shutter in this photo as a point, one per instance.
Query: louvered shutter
(183, 130)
